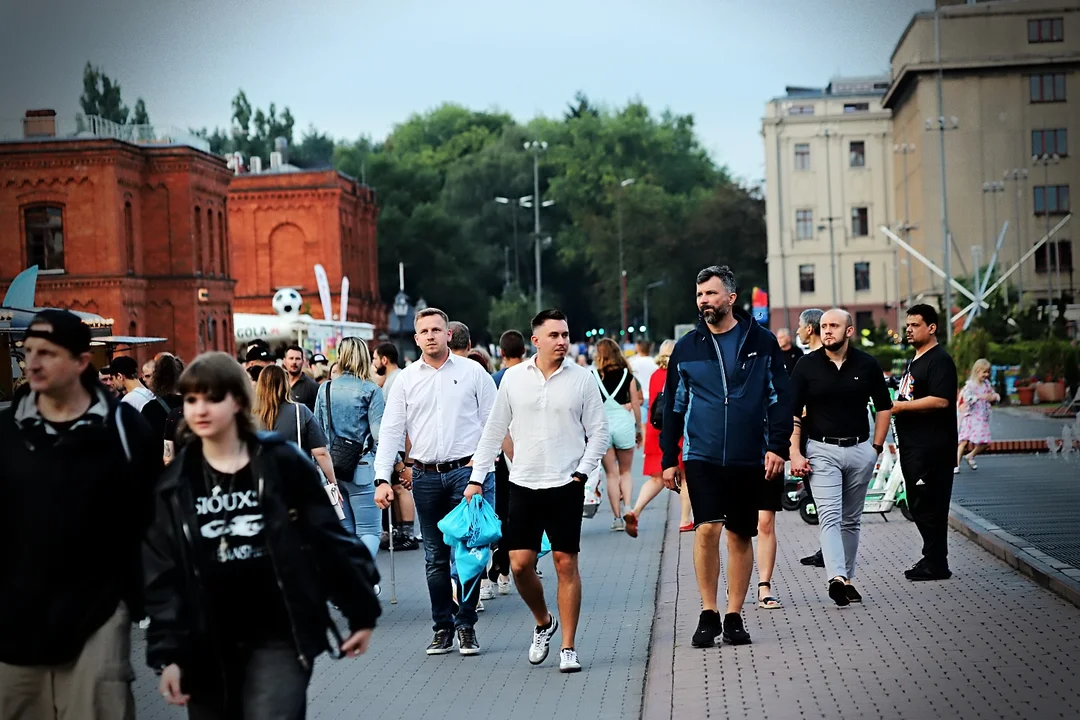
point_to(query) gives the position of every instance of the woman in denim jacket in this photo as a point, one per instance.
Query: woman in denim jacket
(358, 410)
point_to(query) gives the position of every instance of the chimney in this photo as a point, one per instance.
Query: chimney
(39, 124)
(281, 146)
(275, 160)
(256, 164)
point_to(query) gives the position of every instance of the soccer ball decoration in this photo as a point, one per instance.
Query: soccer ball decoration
(287, 302)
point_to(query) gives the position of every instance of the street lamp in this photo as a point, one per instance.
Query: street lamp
(622, 268)
(830, 218)
(646, 327)
(904, 149)
(941, 124)
(537, 146)
(521, 202)
(1046, 160)
(1018, 176)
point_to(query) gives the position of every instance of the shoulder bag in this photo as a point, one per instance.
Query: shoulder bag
(344, 453)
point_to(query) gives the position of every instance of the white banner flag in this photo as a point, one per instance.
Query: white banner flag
(324, 291)
(344, 299)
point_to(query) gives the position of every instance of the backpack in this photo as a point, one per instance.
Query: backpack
(656, 411)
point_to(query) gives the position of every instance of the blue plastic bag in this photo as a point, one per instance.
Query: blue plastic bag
(545, 546)
(475, 524)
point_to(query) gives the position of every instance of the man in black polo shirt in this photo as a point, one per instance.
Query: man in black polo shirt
(926, 431)
(834, 385)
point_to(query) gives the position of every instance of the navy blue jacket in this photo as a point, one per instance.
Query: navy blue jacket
(728, 416)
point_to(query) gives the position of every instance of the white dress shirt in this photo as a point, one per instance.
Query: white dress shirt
(443, 411)
(558, 425)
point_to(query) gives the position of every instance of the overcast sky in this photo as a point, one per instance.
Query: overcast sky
(358, 67)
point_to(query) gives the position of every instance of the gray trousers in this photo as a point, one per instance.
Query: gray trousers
(839, 478)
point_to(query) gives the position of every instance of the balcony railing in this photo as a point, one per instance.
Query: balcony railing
(95, 126)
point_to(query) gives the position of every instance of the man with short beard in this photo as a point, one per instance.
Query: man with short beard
(834, 384)
(728, 394)
(385, 362)
(304, 389)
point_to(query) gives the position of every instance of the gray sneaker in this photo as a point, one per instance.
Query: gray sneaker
(617, 525)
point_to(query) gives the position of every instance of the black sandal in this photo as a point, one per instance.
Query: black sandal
(768, 602)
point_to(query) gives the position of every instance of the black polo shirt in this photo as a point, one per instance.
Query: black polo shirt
(305, 391)
(835, 398)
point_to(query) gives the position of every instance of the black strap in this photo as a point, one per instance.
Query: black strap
(329, 409)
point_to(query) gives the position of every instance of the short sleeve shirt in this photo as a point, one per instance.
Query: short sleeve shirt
(311, 435)
(931, 374)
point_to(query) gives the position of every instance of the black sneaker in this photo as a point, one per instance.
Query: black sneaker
(853, 594)
(815, 560)
(466, 641)
(734, 632)
(708, 628)
(405, 542)
(384, 540)
(442, 643)
(838, 592)
(926, 571)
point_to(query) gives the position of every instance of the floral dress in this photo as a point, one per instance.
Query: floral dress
(975, 412)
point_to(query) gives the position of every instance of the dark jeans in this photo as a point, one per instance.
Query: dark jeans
(261, 683)
(501, 557)
(928, 479)
(436, 494)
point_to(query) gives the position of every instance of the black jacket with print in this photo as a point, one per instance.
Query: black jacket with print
(313, 557)
(74, 506)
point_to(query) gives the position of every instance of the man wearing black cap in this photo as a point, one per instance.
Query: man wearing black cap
(258, 356)
(76, 475)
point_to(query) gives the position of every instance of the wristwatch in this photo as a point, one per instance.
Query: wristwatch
(580, 476)
(381, 481)
(878, 448)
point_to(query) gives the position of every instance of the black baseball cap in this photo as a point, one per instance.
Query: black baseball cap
(126, 366)
(66, 329)
(259, 353)
(318, 359)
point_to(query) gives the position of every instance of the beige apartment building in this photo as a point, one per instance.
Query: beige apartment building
(829, 185)
(1010, 102)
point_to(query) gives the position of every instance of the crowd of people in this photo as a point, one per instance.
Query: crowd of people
(225, 503)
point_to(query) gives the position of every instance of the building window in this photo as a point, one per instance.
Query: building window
(198, 241)
(856, 107)
(1045, 259)
(1046, 30)
(801, 110)
(222, 265)
(129, 238)
(1050, 142)
(806, 278)
(1051, 198)
(1047, 87)
(860, 222)
(804, 224)
(857, 154)
(211, 245)
(864, 320)
(802, 156)
(45, 237)
(862, 276)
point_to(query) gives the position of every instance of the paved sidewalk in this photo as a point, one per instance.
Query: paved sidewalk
(988, 643)
(396, 680)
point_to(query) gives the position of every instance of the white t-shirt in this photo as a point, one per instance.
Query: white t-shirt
(138, 398)
(642, 367)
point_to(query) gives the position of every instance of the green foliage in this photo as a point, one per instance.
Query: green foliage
(512, 311)
(889, 356)
(966, 348)
(101, 96)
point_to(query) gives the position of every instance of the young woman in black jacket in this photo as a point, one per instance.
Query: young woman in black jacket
(244, 551)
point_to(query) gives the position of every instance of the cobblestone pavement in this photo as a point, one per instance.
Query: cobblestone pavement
(988, 643)
(396, 680)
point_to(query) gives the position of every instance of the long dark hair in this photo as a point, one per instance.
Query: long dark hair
(216, 374)
(271, 392)
(167, 370)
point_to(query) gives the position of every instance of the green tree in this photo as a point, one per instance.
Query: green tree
(101, 97)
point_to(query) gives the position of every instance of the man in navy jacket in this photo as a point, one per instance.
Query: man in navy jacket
(728, 398)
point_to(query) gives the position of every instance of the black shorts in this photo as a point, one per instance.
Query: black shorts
(556, 511)
(770, 492)
(731, 495)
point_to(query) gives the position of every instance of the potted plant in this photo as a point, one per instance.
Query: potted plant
(1051, 364)
(1025, 391)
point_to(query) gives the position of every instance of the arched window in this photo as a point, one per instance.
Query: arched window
(45, 237)
(222, 254)
(129, 238)
(198, 241)
(211, 245)
(211, 330)
(133, 329)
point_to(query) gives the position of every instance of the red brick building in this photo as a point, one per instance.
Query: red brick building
(133, 231)
(285, 220)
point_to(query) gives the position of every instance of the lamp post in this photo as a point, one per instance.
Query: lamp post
(645, 318)
(946, 239)
(622, 267)
(1018, 176)
(1046, 160)
(537, 146)
(831, 218)
(510, 202)
(904, 149)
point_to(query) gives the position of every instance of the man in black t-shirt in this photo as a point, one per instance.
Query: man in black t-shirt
(304, 389)
(925, 411)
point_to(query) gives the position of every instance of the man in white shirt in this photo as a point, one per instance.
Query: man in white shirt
(555, 416)
(441, 402)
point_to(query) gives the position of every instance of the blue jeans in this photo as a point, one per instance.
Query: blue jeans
(436, 494)
(366, 523)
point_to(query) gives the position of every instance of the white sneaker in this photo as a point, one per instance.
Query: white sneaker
(504, 585)
(479, 606)
(144, 623)
(378, 590)
(568, 661)
(541, 641)
(487, 592)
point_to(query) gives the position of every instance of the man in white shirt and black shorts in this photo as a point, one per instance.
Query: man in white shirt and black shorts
(442, 402)
(555, 416)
